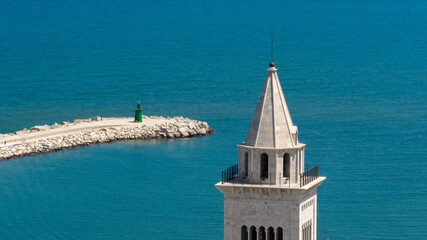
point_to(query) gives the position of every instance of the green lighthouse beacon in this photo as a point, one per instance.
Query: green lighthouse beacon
(138, 113)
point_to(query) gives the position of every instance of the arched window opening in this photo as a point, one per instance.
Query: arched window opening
(262, 235)
(270, 233)
(245, 165)
(253, 233)
(286, 165)
(279, 234)
(244, 233)
(264, 166)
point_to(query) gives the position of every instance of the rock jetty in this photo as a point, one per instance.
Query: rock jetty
(80, 132)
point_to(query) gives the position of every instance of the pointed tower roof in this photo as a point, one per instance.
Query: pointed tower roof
(271, 125)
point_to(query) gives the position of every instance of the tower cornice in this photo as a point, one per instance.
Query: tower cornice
(298, 146)
(235, 187)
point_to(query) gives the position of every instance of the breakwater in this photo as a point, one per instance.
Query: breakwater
(80, 132)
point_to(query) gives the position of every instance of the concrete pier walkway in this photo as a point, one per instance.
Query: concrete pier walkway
(39, 139)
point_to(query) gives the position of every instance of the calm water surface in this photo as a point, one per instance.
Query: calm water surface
(354, 76)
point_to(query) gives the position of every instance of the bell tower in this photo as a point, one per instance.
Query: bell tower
(269, 195)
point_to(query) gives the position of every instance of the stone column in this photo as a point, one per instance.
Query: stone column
(298, 164)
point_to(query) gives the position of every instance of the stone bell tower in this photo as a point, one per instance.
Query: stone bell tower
(269, 195)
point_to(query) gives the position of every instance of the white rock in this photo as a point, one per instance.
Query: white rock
(97, 118)
(23, 131)
(204, 125)
(40, 128)
(184, 133)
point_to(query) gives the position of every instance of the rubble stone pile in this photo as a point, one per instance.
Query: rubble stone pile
(177, 127)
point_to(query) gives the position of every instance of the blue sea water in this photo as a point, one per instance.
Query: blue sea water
(353, 73)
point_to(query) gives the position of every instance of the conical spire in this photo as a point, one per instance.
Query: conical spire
(271, 125)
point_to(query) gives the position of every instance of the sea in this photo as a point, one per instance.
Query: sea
(354, 74)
